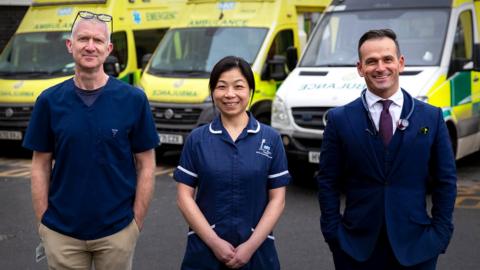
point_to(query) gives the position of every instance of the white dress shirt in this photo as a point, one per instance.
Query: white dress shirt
(376, 107)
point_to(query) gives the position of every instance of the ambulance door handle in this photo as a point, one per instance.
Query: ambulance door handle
(475, 79)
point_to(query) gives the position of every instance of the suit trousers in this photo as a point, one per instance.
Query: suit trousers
(382, 258)
(111, 252)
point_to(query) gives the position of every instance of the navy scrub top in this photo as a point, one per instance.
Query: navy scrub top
(93, 181)
(232, 181)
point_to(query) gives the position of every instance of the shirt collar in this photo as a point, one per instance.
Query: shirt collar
(372, 99)
(216, 126)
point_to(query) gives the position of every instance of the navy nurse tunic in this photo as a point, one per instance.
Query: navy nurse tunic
(232, 181)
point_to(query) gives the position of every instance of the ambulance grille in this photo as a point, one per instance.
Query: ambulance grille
(309, 144)
(15, 113)
(310, 117)
(181, 116)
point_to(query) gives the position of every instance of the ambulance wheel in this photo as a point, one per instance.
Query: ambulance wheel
(159, 151)
(452, 132)
(168, 156)
(303, 173)
(264, 118)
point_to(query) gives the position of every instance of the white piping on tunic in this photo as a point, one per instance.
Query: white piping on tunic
(269, 236)
(277, 174)
(213, 131)
(187, 171)
(192, 232)
(255, 130)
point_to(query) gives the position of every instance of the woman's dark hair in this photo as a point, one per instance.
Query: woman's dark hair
(228, 63)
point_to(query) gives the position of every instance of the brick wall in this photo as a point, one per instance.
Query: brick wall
(10, 18)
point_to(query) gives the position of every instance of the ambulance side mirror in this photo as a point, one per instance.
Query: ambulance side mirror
(457, 65)
(274, 69)
(476, 57)
(112, 66)
(292, 57)
(145, 59)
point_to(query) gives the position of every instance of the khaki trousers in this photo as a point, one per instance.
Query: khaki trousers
(110, 252)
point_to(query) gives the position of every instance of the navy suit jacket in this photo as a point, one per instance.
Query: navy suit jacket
(394, 198)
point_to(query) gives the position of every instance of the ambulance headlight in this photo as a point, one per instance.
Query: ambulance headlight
(279, 113)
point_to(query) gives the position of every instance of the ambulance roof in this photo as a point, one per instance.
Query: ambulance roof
(389, 4)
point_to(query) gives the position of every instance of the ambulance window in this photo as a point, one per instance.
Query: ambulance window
(282, 41)
(120, 48)
(463, 43)
(146, 41)
(309, 21)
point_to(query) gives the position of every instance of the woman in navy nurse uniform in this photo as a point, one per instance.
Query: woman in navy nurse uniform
(238, 169)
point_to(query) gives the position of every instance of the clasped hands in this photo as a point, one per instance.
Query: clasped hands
(232, 257)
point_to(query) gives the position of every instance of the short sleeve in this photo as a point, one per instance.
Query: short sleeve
(186, 171)
(144, 135)
(278, 175)
(39, 136)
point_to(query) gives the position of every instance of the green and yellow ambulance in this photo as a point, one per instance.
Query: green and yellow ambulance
(269, 34)
(439, 39)
(36, 56)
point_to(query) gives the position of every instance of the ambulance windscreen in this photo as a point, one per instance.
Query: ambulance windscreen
(420, 33)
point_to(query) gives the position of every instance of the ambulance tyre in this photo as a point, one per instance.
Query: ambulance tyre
(262, 111)
(264, 118)
(303, 173)
(159, 151)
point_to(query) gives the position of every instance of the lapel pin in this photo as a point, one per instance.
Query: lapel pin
(424, 130)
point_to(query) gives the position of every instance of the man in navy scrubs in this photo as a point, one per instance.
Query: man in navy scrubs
(383, 150)
(99, 131)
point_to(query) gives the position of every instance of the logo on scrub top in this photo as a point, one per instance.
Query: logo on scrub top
(264, 149)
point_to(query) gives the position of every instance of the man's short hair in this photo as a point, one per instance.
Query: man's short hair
(378, 34)
(94, 20)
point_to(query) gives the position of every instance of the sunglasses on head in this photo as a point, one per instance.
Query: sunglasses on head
(87, 15)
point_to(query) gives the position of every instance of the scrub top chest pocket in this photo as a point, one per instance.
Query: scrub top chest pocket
(113, 144)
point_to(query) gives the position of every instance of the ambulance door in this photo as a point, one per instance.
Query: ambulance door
(274, 71)
(464, 84)
(120, 51)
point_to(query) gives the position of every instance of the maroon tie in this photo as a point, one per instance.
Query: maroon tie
(385, 126)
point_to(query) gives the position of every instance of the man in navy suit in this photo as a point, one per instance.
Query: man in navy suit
(384, 151)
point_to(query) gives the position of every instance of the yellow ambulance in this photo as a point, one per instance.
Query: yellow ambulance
(269, 34)
(440, 41)
(36, 56)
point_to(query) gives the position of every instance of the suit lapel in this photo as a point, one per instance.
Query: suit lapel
(363, 130)
(409, 134)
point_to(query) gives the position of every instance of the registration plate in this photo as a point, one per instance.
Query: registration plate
(314, 157)
(170, 139)
(10, 135)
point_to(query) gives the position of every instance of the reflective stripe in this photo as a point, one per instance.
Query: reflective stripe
(277, 174)
(187, 171)
(192, 232)
(214, 131)
(256, 130)
(268, 236)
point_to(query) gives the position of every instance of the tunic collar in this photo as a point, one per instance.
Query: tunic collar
(216, 126)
